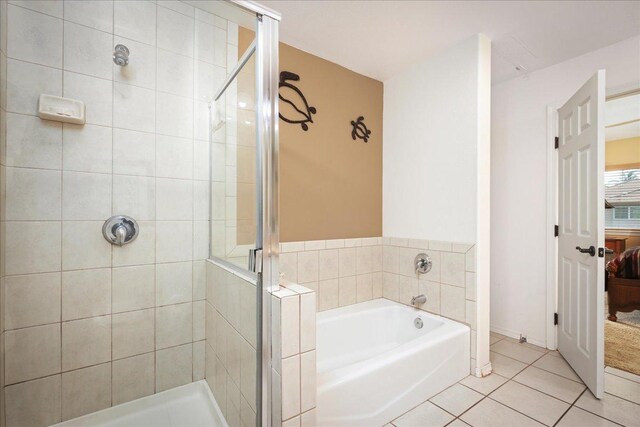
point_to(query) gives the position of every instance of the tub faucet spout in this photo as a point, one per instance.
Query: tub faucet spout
(419, 299)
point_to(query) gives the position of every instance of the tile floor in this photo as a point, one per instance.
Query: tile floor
(530, 386)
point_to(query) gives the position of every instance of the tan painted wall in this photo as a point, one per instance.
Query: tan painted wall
(622, 154)
(330, 185)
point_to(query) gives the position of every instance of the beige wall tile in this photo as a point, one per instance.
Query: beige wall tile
(407, 289)
(86, 293)
(199, 320)
(453, 268)
(390, 286)
(307, 266)
(288, 264)
(31, 300)
(174, 283)
(347, 262)
(290, 325)
(86, 390)
(406, 265)
(307, 321)
(34, 403)
(133, 378)
(328, 264)
(376, 258)
(470, 259)
(292, 422)
(133, 333)
(347, 292)
(434, 275)
(32, 247)
(308, 419)
(133, 288)
(174, 367)
(364, 287)
(248, 312)
(307, 381)
(32, 194)
(376, 285)
(248, 373)
(31, 353)
(142, 252)
(432, 291)
(364, 260)
(86, 342)
(198, 360)
(290, 387)
(174, 325)
(390, 259)
(83, 245)
(452, 302)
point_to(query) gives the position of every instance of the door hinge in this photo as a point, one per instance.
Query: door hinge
(557, 142)
(556, 230)
(555, 318)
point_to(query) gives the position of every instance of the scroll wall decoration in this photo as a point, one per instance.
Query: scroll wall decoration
(292, 95)
(360, 130)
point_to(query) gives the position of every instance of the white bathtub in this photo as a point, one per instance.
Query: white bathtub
(374, 364)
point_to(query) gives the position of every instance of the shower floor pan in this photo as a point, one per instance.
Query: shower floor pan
(189, 405)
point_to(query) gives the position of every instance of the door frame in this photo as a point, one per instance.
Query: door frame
(552, 210)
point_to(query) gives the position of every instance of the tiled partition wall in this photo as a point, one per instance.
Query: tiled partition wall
(231, 359)
(86, 324)
(348, 271)
(294, 358)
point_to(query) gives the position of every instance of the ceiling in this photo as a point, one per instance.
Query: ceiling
(381, 38)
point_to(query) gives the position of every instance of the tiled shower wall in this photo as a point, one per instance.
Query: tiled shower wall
(349, 271)
(231, 340)
(88, 325)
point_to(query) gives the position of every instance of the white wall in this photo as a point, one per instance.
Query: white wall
(436, 159)
(429, 157)
(518, 180)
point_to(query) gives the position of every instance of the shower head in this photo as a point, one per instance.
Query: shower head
(121, 55)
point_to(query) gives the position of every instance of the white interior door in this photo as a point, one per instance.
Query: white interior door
(581, 232)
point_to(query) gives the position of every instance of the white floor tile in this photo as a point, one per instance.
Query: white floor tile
(530, 402)
(611, 407)
(457, 399)
(551, 384)
(484, 385)
(506, 366)
(558, 366)
(425, 415)
(491, 413)
(517, 351)
(622, 387)
(457, 423)
(576, 417)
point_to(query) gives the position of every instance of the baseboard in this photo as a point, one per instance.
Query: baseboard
(516, 335)
(484, 371)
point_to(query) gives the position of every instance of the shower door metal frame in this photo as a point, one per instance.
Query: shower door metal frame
(265, 48)
(268, 203)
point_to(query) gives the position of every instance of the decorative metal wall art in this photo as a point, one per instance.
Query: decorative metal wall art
(360, 130)
(296, 99)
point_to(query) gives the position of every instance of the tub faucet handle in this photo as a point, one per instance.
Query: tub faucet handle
(418, 299)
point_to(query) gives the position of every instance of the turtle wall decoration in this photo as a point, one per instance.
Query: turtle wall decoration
(292, 95)
(360, 130)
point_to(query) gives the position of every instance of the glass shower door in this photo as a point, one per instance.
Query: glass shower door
(244, 240)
